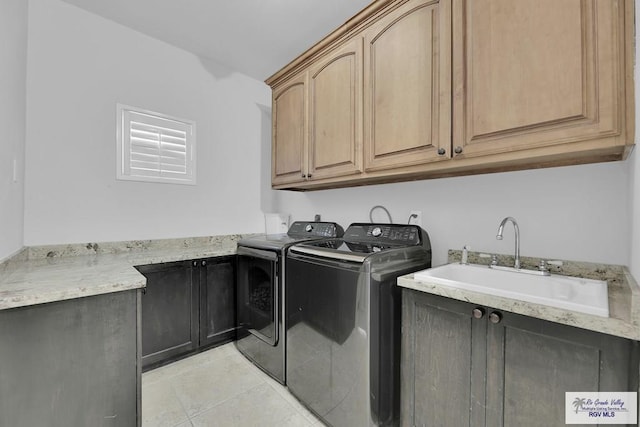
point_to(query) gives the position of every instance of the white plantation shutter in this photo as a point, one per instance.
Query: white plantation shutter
(155, 147)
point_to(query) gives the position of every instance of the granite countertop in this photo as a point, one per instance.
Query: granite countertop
(44, 274)
(624, 295)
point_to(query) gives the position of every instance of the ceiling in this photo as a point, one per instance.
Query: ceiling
(254, 37)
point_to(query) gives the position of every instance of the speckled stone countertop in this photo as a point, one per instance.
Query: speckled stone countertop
(44, 274)
(624, 295)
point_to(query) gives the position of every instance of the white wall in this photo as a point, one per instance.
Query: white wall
(13, 52)
(576, 213)
(79, 67)
(634, 172)
(634, 202)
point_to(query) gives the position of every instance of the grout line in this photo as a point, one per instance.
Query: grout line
(199, 413)
(294, 402)
(184, 410)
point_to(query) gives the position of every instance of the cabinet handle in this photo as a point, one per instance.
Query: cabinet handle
(495, 317)
(203, 263)
(304, 176)
(441, 151)
(195, 263)
(478, 312)
(458, 150)
(309, 176)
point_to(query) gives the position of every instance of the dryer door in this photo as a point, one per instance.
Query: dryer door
(257, 286)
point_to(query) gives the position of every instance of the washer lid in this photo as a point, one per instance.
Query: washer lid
(300, 231)
(274, 242)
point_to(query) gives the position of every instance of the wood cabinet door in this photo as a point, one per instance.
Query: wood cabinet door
(407, 96)
(531, 363)
(443, 362)
(217, 300)
(335, 112)
(289, 147)
(533, 74)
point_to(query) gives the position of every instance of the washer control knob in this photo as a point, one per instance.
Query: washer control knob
(376, 232)
(308, 228)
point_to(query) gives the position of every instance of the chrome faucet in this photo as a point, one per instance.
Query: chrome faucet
(516, 264)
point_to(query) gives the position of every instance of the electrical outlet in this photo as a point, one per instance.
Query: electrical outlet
(415, 218)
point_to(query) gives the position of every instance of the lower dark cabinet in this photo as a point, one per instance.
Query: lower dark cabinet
(464, 364)
(186, 306)
(217, 300)
(71, 363)
(169, 312)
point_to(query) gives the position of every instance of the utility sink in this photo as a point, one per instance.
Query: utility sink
(570, 293)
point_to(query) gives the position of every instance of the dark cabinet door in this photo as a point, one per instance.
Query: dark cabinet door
(443, 362)
(468, 365)
(217, 277)
(169, 312)
(531, 363)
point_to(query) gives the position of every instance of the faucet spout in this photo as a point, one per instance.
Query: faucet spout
(516, 263)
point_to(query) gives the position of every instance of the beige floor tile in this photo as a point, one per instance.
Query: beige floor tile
(153, 376)
(160, 405)
(295, 420)
(259, 406)
(206, 385)
(293, 401)
(219, 387)
(185, 365)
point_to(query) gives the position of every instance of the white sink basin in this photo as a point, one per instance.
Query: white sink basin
(571, 293)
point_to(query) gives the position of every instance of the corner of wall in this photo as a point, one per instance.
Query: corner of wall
(634, 170)
(13, 56)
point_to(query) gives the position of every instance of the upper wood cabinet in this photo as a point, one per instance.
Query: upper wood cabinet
(289, 117)
(317, 119)
(407, 77)
(416, 89)
(335, 113)
(540, 73)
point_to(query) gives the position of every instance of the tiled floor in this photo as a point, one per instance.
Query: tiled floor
(218, 387)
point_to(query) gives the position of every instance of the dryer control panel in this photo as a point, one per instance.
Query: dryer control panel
(394, 234)
(315, 229)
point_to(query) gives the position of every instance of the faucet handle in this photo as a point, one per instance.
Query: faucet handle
(543, 266)
(465, 254)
